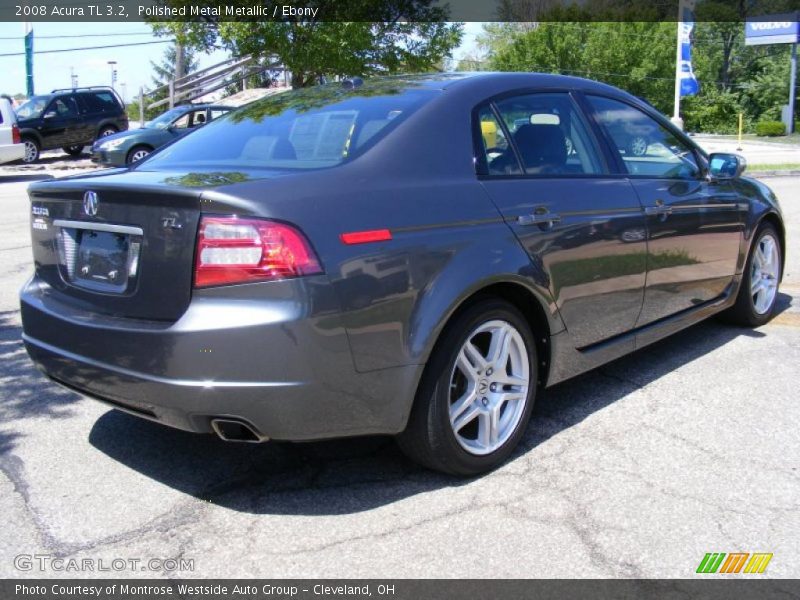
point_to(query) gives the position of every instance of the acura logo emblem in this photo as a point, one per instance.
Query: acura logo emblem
(90, 203)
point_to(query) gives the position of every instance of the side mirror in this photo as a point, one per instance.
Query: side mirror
(726, 166)
(50, 114)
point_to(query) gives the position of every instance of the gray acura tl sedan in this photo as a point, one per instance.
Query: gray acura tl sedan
(415, 256)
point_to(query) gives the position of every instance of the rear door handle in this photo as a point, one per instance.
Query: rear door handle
(539, 217)
(659, 210)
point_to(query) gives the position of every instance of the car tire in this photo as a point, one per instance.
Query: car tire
(32, 150)
(73, 150)
(137, 153)
(758, 291)
(106, 131)
(441, 433)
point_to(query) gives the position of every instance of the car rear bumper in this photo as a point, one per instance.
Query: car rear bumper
(273, 364)
(11, 152)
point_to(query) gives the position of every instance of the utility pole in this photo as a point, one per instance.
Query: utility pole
(180, 60)
(28, 58)
(141, 106)
(792, 87)
(73, 78)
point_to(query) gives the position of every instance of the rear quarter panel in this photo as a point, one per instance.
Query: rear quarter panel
(449, 240)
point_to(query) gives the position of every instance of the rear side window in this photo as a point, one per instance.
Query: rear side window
(100, 102)
(497, 151)
(547, 134)
(647, 148)
(302, 129)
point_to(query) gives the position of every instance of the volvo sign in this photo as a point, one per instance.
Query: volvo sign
(778, 29)
(783, 30)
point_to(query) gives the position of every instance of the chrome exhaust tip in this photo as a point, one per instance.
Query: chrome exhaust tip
(234, 430)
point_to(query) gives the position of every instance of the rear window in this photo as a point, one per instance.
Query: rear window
(302, 129)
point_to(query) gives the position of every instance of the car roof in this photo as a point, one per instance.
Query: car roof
(496, 82)
(198, 106)
(468, 79)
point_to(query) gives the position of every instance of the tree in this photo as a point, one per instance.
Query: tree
(176, 62)
(637, 56)
(358, 37)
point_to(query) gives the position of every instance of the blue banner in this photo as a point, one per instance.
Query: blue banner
(689, 84)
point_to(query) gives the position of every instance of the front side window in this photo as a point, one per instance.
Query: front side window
(302, 129)
(646, 147)
(64, 107)
(549, 136)
(33, 108)
(184, 122)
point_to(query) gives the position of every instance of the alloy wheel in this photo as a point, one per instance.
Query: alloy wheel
(489, 387)
(764, 274)
(639, 146)
(139, 155)
(31, 151)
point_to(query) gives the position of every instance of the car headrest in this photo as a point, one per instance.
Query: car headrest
(541, 145)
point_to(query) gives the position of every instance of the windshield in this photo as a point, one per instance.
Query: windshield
(302, 129)
(32, 108)
(164, 120)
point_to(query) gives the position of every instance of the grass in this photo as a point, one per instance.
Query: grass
(794, 138)
(773, 167)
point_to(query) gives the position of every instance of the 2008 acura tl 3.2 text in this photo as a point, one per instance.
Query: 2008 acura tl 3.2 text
(407, 256)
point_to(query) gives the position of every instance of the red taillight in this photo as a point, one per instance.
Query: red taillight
(15, 137)
(233, 250)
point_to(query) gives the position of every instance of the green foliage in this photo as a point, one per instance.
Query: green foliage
(712, 111)
(163, 72)
(770, 128)
(630, 55)
(304, 100)
(397, 36)
(640, 56)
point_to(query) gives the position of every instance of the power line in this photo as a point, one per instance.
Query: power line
(89, 48)
(86, 35)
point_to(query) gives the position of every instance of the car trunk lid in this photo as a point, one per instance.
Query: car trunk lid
(121, 244)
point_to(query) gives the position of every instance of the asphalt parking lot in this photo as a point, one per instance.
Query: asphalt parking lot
(635, 470)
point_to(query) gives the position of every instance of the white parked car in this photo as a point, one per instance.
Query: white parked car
(11, 147)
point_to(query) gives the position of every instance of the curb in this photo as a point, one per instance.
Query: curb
(779, 173)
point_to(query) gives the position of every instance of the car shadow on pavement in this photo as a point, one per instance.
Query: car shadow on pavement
(25, 391)
(353, 475)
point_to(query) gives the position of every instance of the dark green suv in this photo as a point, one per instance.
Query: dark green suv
(69, 119)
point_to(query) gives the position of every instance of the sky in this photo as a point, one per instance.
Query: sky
(133, 63)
